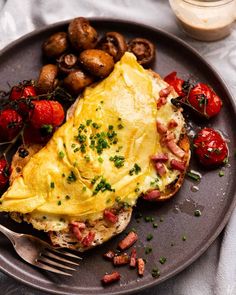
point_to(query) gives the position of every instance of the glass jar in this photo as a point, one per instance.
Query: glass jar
(207, 20)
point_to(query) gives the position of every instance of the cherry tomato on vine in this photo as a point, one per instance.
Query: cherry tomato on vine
(10, 124)
(205, 100)
(210, 147)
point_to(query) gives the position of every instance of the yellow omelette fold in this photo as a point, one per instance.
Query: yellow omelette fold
(101, 155)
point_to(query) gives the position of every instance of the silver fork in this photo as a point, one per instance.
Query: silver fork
(39, 253)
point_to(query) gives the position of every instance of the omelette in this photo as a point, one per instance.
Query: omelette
(102, 159)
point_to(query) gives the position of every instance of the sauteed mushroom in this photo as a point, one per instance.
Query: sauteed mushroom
(55, 45)
(47, 79)
(113, 43)
(76, 81)
(143, 49)
(97, 62)
(81, 34)
(67, 63)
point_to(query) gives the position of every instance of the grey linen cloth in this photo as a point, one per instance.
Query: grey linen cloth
(215, 271)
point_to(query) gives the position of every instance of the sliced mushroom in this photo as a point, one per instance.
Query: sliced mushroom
(81, 34)
(67, 63)
(76, 81)
(143, 49)
(55, 45)
(97, 62)
(47, 80)
(114, 44)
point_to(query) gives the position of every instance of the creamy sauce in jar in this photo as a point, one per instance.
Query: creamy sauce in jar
(205, 20)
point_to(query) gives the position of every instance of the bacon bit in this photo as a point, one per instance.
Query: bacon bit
(121, 259)
(110, 278)
(167, 137)
(77, 228)
(109, 255)
(177, 165)
(133, 258)
(166, 91)
(161, 128)
(141, 266)
(161, 101)
(172, 124)
(110, 216)
(160, 168)
(159, 158)
(175, 149)
(128, 241)
(87, 241)
(152, 195)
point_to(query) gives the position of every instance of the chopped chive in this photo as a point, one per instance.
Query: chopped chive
(84, 188)
(184, 238)
(59, 203)
(148, 250)
(197, 213)
(67, 197)
(162, 260)
(100, 160)
(155, 225)
(193, 176)
(149, 237)
(147, 218)
(71, 178)
(155, 272)
(120, 126)
(52, 185)
(221, 173)
(61, 155)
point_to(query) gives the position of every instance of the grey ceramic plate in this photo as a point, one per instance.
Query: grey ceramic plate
(216, 196)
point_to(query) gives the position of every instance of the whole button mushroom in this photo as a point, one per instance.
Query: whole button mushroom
(76, 81)
(55, 45)
(143, 49)
(67, 63)
(47, 80)
(81, 35)
(97, 62)
(113, 43)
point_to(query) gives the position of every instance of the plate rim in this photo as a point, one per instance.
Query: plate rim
(229, 212)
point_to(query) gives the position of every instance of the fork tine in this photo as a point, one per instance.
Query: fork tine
(54, 263)
(51, 255)
(64, 253)
(52, 269)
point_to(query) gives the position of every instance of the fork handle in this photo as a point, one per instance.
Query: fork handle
(11, 235)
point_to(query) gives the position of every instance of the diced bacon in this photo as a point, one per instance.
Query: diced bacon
(110, 278)
(161, 102)
(110, 216)
(121, 259)
(172, 124)
(152, 195)
(128, 241)
(80, 225)
(133, 258)
(175, 149)
(109, 255)
(160, 168)
(177, 165)
(87, 241)
(166, 91)
(141, 266)
(77, 228)
(161, 128)
(77, 233)
(167, 137)
(159, 157)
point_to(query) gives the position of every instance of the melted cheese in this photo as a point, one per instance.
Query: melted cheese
(63, 179)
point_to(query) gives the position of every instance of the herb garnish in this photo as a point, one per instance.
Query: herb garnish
(102, 186)
(135, 170)
(162, 260)
(61, 155)
(71, 178)
(52, 185)
(118, 161)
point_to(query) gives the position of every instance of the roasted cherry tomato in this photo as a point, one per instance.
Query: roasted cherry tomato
(210, 147)
(46, 113)
(176, 83)
(22, 92)
(18, 92)
(4, 173)
(10, 124)
(205, 100)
